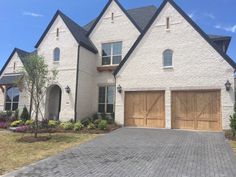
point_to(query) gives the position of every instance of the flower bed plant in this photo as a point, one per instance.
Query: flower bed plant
(21, 129)
(17, 123)
(3, 125)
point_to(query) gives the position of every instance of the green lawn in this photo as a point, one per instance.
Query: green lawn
(14, 154)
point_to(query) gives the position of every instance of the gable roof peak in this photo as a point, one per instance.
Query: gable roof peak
(189, 20)
(104, 10)
(77, 32)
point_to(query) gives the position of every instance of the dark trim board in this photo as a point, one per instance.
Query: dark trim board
(189, 20)
(104, 10)
(77, 83)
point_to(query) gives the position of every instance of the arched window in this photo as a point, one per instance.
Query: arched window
(167, 58)
(56, 54)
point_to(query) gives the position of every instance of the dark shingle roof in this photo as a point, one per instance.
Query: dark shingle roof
(78, 32)
(22, 54)
(141, 16)
(215, 37)
(221, 41)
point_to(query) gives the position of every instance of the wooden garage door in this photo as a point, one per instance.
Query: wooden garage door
(145, 109)
(196, 110)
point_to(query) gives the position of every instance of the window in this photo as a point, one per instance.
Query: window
(167, 58)
(14, 66)
(57, 32)
(56, 54)
(12, 98)
(106, 99)
(112, 16)
(168, 23)
(111, 53)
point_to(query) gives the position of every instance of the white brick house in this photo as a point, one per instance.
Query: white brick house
(152, 67)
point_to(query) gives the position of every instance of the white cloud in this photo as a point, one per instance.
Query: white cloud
(32, 14)
(209, 15)
(227, 28)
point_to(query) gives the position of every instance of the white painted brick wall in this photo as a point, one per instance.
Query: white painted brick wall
(196, 65)
(66, 67)
(86, 85)
(121, 29)
(9, 70)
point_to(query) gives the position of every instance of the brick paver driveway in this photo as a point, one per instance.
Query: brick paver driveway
(140, 153)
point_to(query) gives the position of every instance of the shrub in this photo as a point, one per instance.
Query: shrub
(96, 122)
(3, 117)
(86, 121)
(17, 123)
(67, 125)
(233, 122)
(78, 126)
(53, 123)
(104, 116)
(29, 122)
(25, 114)
(3, 125)
(94, 117)
(21, 129)
(16, 114)
(91, 125)
(102, 125)
(9, 113)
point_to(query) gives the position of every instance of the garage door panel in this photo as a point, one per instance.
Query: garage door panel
(144, 109)
(183, 110)
(136, 122)
(184, 124)
(198, 110)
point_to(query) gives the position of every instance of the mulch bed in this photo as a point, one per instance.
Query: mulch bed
(32, 139)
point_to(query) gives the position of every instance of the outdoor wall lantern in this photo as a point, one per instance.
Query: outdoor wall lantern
(228, 85)
(67, 89)
(119, 89)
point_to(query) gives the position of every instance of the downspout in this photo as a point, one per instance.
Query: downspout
(77, 82)
(115, 98)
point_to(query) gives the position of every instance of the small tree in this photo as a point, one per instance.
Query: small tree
(25, 114)
(233, 122)
(36, 79)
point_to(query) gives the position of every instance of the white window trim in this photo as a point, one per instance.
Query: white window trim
(12, 102)
(163, 62)
(111, 56)
(168, 67)
(56, 61)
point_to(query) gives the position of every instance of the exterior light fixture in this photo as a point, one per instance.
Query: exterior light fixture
(228, 85)
(67, 89)
(119, 89)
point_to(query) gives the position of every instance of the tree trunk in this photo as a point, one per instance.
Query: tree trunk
(31, 100)
(36, 122)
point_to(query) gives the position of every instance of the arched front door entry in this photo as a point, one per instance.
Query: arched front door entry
(53, 102)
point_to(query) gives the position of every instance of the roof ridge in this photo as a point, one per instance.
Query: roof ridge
(68, 18)
(136, 8)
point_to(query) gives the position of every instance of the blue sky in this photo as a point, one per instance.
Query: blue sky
(22, 22)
